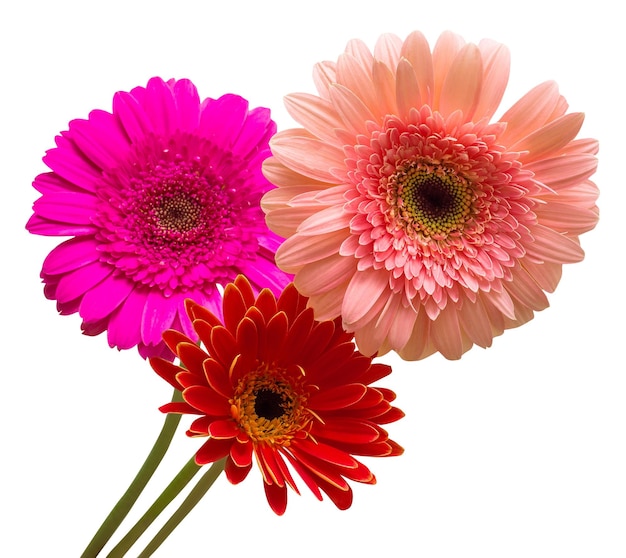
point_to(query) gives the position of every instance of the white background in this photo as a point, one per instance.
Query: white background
(514, 451)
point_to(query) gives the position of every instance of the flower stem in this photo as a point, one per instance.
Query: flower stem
(172, 490)
(121, 509)
(196, 494)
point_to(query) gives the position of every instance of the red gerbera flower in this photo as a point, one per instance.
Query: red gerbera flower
(275, 383)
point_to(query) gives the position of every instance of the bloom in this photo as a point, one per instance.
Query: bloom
(278, 385)
(426, 226)
(161, 199)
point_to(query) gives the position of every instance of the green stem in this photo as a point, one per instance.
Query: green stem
(196, 494)
(121, 509)
(172, 490)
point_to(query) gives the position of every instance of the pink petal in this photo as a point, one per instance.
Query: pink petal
(105, 297)
(160, 107)
(70, 163)
(76, 283)
(70, 255)
(257, 130)
(131, 115)
(124, 329)
(187, 105)
(69, 207)
(158, 315)
(101, 139)
(222, 119)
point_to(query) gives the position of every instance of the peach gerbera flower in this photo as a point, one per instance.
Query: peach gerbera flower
(426, 226)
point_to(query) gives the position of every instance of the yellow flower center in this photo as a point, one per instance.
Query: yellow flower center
(432, 201)
(270, 406)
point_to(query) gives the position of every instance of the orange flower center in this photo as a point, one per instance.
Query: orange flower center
(270, 406)
(431, 201)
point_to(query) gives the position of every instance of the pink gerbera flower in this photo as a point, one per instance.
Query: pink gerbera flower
(406, 211)
(161, 197)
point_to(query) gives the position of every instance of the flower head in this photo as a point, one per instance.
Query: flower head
(161, 197)
(278, 385)
(407, 212)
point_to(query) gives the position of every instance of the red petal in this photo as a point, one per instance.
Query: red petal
(276, 497)
(241, 453)
(191, 355)
(180, 408)
(346, 430)
(167, 370)
(213, 450)
(337, 398)
(234, 307)
(224, 429)
(326, 453)
(196, 311)
(271, 471)
(266, 303)
(206, 400)
(217, 377)
(236, 474)
(341, 498)
(276, 334)
(242, 283)
(224, 345)
(172, 338)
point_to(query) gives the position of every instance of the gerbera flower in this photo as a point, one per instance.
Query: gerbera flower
(161, 197)
(278, 385)
(425, 226)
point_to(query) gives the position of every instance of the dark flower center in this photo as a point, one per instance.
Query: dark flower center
(180, 214)
(269, 404)
(431, 201)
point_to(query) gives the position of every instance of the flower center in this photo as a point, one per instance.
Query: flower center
(178, 214)
(432, 200)
(270, 407)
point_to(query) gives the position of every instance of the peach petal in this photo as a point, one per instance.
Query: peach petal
(408, 94)
(530, 112)
(362, 293)
(496, 65)
(551, 246)
(417, 51)
(298, 250)
(444, 53)
(549, 139)
(353, 112)
(462, 85)
(387, 49)
(316, 114)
